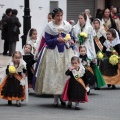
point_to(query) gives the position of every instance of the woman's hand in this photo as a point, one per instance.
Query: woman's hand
(60, 38)
(72, 42)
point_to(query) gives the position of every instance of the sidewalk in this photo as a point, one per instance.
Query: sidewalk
(3, 62)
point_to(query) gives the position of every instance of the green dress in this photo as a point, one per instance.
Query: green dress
(99, 78)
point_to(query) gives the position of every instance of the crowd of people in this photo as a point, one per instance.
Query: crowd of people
(10, 30)
(67, 61)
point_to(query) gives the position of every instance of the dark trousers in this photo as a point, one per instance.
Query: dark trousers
(6, 47)
(12, 48)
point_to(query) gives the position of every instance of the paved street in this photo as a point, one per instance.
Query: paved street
(103, 104)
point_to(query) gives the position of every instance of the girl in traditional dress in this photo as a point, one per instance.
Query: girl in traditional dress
(28, 57)
(92, 73)
(84, 25)
(32, 39)
(55, 59)
(14, 84)
(111, 72)
(100, 34)
(75, 90)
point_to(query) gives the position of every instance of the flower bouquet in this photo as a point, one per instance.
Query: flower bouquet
(114, 59)
(82, 37)
(12, 69)
(67, 37)
(100, 55)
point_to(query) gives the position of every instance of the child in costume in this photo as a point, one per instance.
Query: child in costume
(100, 34)
(14, 84)
(92, 71)
(28, 57)
(111, 47)
(75, 90)
(33, 40)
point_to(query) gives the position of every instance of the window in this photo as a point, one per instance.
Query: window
(53, 4)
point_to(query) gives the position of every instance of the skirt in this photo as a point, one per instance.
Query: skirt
(74, 92)
(10, 89)
(51, 76)
(111, 74)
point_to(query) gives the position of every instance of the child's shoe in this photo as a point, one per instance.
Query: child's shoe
(77, 107)
(69, 104)
(18, 103)
(9, 102)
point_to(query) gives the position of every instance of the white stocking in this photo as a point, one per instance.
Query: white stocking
(56, 99)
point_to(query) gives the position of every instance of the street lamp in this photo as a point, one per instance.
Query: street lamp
(26, 21)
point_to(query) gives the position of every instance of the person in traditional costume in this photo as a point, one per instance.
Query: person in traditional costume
(40, 50)
(55, 59)
(42, 41)
(33, 40)
(93, 76)
(28, 57)
(75, 89)
(100, 34)
(107, 20)
(109, 66)
(83, 26)
(14, 83)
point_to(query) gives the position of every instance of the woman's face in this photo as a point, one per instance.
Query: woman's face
(81, 19)
(109, 36)
(58, 18)
(96, 24)
(107, 13)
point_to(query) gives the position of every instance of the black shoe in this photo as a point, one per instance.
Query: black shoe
(4, 53)
(9, 55)
(109, 85)
(18, 104)
(113, 87)
(77, 108)
(96, 88)
(69, 105)
(62, 102)
(55, 105)
(9, 102)
(88, 92)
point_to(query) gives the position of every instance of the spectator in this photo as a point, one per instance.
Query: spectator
(13, 31)
(4, 33)
(118, 12)
(99, 13)
(87, 11)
